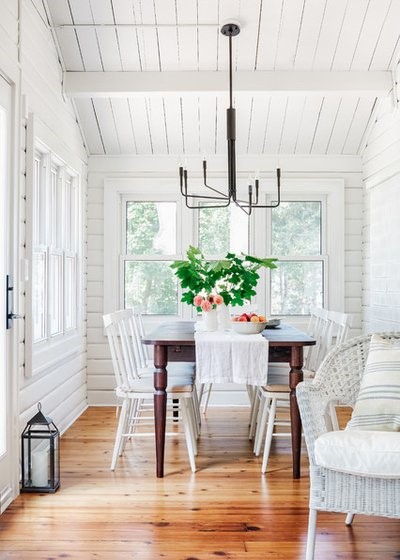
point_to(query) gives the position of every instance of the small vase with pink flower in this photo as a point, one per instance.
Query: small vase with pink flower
(209, 304)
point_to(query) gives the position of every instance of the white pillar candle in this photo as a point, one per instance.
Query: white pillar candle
(40, 468)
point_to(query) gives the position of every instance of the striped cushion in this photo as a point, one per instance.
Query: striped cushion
(378, 402)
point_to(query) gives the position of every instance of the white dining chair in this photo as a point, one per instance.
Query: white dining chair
(134, 390)
(146, 363)
(329, 328)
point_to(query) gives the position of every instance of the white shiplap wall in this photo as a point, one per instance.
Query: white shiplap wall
(9, 28)
(100, 376)
(381, 228)
(62, 389)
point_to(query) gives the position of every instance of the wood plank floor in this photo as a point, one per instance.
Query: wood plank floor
(225, 510)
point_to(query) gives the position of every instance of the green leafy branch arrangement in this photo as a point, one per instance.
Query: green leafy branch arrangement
(235, 277)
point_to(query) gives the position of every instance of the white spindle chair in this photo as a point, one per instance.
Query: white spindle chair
(329, 328)
(133, 390)
(174, 368)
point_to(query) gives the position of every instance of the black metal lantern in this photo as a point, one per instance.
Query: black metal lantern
(40, 454)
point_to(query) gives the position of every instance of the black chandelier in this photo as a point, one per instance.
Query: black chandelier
(229, 30)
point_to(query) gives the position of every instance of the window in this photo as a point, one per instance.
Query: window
(221, 230)
(54, 247)
(145, 232)
(149, 248)
(149, 245)
(297, 240)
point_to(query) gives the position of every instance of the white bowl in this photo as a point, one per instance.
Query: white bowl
(247, 327)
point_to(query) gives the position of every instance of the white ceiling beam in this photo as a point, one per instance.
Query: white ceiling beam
(127, 84)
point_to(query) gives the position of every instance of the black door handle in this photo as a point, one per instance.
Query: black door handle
(10, 315)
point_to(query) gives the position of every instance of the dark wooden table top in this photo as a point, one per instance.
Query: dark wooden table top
(182, 333)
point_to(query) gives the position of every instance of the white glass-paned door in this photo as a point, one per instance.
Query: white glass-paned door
(7, 467)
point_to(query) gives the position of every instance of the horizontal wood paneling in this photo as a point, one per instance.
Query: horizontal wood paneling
(34, 389)
(9, 28)
(101, 382)
(381, 173)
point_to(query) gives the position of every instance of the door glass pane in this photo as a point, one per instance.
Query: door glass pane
(38, 295)
(222, 230)
(67, 214)
(36, 198)
(54, 218)
(55, 301)
(70, 293)
(3, 364)
(296, 228)
(150, 228)
(151, 285)
(295, 285)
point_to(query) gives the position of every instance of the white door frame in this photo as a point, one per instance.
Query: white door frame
(9, 464)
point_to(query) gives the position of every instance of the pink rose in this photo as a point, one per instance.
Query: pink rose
(197, 300)
(218, 299)
(206, 305)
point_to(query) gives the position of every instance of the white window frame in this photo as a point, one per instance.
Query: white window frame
(329, 191)
(54, 348)
(322, 257)
(153, 257)
(116, 193)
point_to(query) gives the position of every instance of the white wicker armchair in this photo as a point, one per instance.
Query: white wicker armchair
(338, 379)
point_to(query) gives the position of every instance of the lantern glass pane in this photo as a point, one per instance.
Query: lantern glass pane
(41, 463)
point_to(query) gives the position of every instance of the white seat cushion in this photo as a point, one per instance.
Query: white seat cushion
(366, 453)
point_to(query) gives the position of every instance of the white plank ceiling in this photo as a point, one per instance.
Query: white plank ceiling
(164, 36)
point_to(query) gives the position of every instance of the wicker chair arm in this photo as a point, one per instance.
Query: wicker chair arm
(312, 400)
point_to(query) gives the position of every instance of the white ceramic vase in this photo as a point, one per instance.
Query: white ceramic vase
(224, 317)
(210, 320)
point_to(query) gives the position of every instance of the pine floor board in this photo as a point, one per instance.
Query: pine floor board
(227, 509)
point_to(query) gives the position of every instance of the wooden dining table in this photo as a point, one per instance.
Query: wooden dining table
(173, 341)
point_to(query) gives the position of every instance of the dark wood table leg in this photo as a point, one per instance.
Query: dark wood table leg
(160, 403)
(295, 376)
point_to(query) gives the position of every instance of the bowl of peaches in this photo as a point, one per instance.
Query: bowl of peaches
(249, 323)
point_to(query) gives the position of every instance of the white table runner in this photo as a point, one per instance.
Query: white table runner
(229, 357)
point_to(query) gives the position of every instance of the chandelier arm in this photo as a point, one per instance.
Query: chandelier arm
(183, 188)
(206, 196)
(278, 185)
(243, 207)
(199, 207)
(209, 186)
(277, 203)
(223, 195)
(257, 188)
